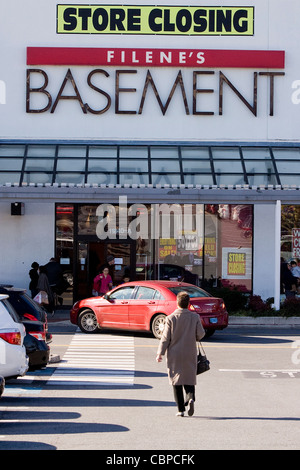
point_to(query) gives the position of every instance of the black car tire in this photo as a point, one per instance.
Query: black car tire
(209, 333)
(157, 326)
(87, 321)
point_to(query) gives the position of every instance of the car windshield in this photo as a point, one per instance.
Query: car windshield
(193, 292)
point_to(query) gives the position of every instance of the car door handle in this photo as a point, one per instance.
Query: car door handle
(124, 302)
(151, 302)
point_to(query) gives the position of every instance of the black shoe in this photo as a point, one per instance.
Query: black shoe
(190, 409)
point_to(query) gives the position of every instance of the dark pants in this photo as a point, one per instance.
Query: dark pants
(178, 395)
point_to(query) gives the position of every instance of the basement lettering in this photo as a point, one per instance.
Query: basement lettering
(46, 101)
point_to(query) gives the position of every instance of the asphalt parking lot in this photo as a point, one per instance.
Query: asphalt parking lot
(248, 400)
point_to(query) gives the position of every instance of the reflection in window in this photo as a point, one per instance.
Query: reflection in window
(290, 179)
(87, 219)
(41, 151)
(73, 164)
(105, 166)
(165, 178)
(226, 153)
(229, 179)
(10, 177)
(132, 166)
(134, 152)
(230, 166)
(219, 252)
(102, 178)
(192, 166)
(38, 164)
(103, 152)
(144, 293)
(134, 178)
(200, 179)
(12, 151)
(286, 154)
(161, 166)
(264, 166)
(64, 226)
(73, 178)
(164, 152)
(290, 233)
(11, 164)
(37, 177)
(72, 151)
(149, 164)
(122, 293)
(256, 153)
(199, 153)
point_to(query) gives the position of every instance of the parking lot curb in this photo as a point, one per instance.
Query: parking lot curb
(288, 322)
(62, 317)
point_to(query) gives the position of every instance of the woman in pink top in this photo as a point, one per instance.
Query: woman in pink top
(102, 283)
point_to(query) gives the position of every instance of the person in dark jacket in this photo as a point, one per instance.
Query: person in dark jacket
(56, 278)
(54, 272)
(34, 277)
(288, 281)
(182, 329)
(44, 285)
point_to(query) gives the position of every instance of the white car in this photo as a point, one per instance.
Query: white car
(13, 358)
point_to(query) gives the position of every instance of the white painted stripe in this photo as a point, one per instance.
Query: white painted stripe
(97, 360)
(259, 370)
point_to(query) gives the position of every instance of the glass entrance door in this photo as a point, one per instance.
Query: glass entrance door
(120, 263)
(93, 256)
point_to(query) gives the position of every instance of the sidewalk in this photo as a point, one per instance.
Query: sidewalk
(238, 321)
(287, 322)
(60, 315)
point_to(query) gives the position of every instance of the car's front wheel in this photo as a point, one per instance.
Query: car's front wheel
(158, 325)
(87, 321)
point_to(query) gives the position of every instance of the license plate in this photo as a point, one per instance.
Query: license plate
(213, 320)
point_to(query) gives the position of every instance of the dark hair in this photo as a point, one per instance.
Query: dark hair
(183, 299)
(35, 265)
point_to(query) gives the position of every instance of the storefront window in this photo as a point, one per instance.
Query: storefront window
(290, 233)
(228, 245)
(205, 245)
(218, 252)
(64, 246)
(87, 219)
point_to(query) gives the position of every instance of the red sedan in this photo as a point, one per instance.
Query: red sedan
(144, 305)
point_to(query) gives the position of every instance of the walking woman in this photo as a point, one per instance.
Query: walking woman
(182, 329)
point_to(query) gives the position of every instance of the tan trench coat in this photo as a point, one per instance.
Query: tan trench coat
(181, 331)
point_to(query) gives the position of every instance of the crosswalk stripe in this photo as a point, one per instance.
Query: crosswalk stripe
(98, 360)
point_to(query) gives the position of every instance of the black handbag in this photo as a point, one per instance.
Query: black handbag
(202, 361)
